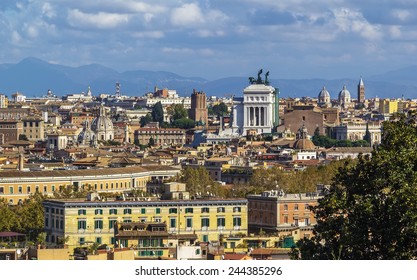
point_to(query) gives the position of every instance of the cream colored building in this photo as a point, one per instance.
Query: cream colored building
(16, 186)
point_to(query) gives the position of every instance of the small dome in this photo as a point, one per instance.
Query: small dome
(324, 97)
(103, 126)
(324, 93)
(304, 144)
(344, 93)
(344, 96)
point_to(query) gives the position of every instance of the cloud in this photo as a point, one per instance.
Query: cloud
(353, 21)
(186, 15)
(48, 11)
(149, 34)
(402, 15)
(189, 51)
(100, 20)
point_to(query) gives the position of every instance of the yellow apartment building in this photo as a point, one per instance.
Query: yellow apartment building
(387, 106)
(86, 222)
(16, 186)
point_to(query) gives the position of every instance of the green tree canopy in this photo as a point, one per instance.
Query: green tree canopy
(145, 119)
(220, 109)
(370, 211)
(197, 180)
(158, 113)
(177, 111)
(184, 123)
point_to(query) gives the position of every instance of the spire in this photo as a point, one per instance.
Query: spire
(361, 82)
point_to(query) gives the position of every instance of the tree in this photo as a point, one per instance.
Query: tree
(8, 219)
(196, 179)
(370, 211)
(158, 113)
(184, 123)
(177, 111)
(220, 109)
(30, 216)
(145, 119)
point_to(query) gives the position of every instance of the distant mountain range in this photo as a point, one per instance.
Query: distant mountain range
(33, 77)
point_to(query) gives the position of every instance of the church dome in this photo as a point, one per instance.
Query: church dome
(303, 142)
(324, 97)
(344, 96)
(102, 125)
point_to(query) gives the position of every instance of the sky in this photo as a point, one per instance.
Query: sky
(215, 38)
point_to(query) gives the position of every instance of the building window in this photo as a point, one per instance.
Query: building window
(111, 223)
(189, 222)
(11, 189)
(306, 207)
(1, 190)
(127, 211)
(221, 222)
(98, 240)
(189, 210)
(237, 221)
(205, 210)
(172, 222)
(143, 211)
(296, 221)
(20, 189)
(220, 210)
(296, 207)
(28, 189)
(172, 210)
(237, 209)
(98, 212)
(205, 238)
(285, 219)
(82, 212)
(98, 224)
(158, 210)
(53, 188)
(82, 240)
(45, 189)
(113, 211)
(285, 207)
(205, 222)
(82, 224)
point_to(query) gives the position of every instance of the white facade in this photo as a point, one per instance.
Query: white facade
(306, 155)
(258, 108)
(357, 131)
(186, 101)
(255, 111)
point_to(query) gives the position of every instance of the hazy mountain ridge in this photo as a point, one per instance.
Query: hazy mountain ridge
(33, 77)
